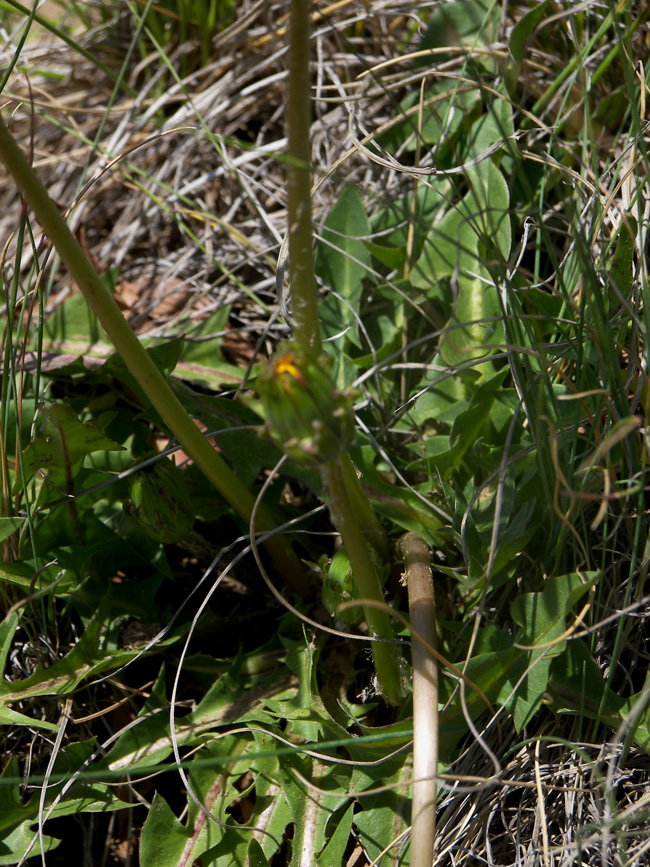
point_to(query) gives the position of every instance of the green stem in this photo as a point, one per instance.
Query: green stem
(304, 297)
(365, 574)
(150, 379)
(419, 580)
(349, 506)
(365, 515)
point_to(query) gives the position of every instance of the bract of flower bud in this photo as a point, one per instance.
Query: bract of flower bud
(339, 586)
(306, 415)
(160, 502)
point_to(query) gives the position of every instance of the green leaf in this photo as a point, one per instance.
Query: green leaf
(462, 21)
(494, 672)
(450, 246)
(342, 260)
(65, 674)
(523, 29)
(542, 619)
(442, 118)
(9, 717)
(620, 271)
(310, 809)
(73, 329)
(577, 686)
(390, 226)
(452, 249)
(167, 842)
(272, 811)
(12, 810)
(385, 816)
(229, 700)
(256, 856)
(476, 232)
(384, 331)
(164, 838)
(304, 709)
(494, 125)
(15, 844)
(334, 851)
(9, 526)
(240, 441)
(475, 323)
(445, 397)
(94, 548)
(399, 504)
(60, 446)
(515, 536)
(392, 257)
(17, 425)
(16, 819)
(498, 667)
(468, 424)
(436, 457)
(271, 814)
(487, 204)
(202, 360)
(8, 627)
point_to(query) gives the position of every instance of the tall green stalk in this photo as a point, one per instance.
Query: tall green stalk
(150, 379)
(304, 298)
(304, 400)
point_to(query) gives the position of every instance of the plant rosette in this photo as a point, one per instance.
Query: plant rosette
(305, 414)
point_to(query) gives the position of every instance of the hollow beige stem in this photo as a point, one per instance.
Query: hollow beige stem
(419, 582)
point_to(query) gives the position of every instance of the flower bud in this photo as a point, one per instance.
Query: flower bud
(160, 502)
(305, 414)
